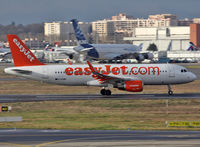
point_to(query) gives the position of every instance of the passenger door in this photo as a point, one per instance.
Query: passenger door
(171, 71)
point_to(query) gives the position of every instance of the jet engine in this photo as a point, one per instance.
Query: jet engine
(132, 86)
(77, 57)
(139, 57)
(148, 56)
(142, 56)
(71, 56)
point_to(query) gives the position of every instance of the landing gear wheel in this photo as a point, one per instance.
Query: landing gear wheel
(103, 92)
(170, 92)
(108, 92)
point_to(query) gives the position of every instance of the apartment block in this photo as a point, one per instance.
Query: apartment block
(124, 24)
(63, 31)
(196, 20)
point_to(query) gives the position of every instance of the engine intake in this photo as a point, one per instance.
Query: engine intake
(148, 56)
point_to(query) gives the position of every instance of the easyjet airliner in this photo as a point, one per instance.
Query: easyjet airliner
(129, 77)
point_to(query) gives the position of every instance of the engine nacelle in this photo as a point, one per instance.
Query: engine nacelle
(132, 86)
(77, 57)
(148, 56)
(71, 56)
(139, 57)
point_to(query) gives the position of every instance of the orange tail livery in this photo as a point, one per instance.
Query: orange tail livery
(21, 55)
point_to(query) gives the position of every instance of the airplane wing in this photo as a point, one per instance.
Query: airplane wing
(108, 79)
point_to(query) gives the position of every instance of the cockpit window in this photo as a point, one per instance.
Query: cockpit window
(183, 70)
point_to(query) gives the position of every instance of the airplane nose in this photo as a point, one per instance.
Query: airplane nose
(193, 77)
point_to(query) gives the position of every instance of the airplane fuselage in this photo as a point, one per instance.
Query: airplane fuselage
(129, 77)
(110, 51)
(81, 75)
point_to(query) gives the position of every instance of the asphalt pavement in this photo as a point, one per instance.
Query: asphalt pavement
(108, 138)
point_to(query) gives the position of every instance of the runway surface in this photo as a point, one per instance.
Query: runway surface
(58, 138)
(30, 98)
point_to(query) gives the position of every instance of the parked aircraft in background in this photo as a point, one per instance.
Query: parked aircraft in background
(193, 47)
(108, 51)
(4, 51)
(65, 50)
(128, 77)
(62, 50)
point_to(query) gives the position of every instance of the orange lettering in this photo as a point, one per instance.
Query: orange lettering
(115, 70)
(69, 71)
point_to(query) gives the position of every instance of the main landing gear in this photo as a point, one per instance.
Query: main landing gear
(170, 92)
(105, 91)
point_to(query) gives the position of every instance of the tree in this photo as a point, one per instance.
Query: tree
(152, 47)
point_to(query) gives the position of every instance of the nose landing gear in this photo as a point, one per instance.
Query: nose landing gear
(105, 91)
(170, 92)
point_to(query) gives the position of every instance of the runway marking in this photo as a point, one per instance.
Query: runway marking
(64, 96)
(47, 135)
(67, 140)
(13, 144)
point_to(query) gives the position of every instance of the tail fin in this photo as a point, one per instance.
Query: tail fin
(22, 56)
(191, 47)
(169, 46)
(46, 47)
(140, 46)
(79, 34)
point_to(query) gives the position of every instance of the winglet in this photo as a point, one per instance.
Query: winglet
(21, 55)
(140, 46)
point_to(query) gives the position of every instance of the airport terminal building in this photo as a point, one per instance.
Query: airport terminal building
(178, 36)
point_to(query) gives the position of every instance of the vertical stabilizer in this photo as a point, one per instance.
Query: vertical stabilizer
(21, 55)
(79, 34)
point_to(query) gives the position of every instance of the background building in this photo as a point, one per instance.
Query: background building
(162, 37)
(196, 20)
(113, 30)
(195, 34)
(63, 32)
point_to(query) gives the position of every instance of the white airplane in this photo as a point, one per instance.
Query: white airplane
(4, 51)
(128, 77)
(108, 51)
(66, 50)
